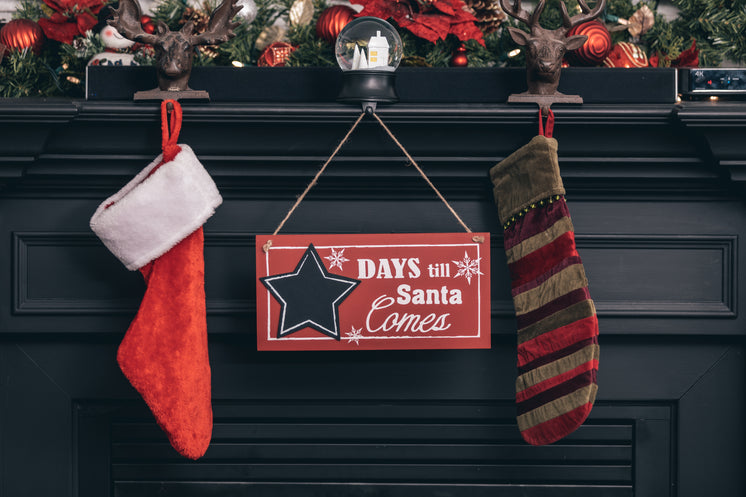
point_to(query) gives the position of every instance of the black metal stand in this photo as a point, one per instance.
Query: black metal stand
(368, 87)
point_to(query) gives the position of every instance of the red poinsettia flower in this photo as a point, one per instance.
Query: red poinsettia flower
(70, 18)
(430, 20)
(687, 58)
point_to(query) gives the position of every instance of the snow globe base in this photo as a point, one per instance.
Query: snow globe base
(368, 86)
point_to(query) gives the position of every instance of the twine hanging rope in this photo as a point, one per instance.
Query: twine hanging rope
(313, 182)
(315, 179)
(422, 173)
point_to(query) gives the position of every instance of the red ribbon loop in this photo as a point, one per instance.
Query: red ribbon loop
(170, 129)
(550, 124)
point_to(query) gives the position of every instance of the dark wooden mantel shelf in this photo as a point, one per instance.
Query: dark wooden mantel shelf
(663, 143)
(656, 193)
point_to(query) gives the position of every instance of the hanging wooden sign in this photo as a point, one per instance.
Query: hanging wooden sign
(373, 291)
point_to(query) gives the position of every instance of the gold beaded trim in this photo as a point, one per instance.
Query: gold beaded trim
(526, 210)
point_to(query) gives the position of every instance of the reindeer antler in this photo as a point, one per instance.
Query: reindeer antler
(587, 14)
(127, 21)
(220, 27)
(514, 9)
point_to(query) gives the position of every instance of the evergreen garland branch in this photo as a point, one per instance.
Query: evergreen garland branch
(29, 9)
(311, 51)
(170, 12)
(717, 27)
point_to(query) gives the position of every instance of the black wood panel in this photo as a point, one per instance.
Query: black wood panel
(681, 268)
(169, 489)
(656, 197)
(397, 442)
(413, 84)
(354, 438)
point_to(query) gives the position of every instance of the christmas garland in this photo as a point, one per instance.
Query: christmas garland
(44, 50)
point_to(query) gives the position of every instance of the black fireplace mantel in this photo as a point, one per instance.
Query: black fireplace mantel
(656, 193)
(603, 147)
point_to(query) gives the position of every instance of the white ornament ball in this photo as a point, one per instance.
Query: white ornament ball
(249, 10)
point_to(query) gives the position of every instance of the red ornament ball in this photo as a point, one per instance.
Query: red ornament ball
(275, 55)
(626, 55)
(459, 58)
(21, 34)
(332, 20)
(147, 24)
(595, 49)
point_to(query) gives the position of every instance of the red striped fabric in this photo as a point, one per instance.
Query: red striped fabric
(540, 261)
(557, 428)
(541, 279)
(535, 221)
(553, 307)
(559, 354)
(531, 391)
(574, 344)
(565, 387)
(557, 339)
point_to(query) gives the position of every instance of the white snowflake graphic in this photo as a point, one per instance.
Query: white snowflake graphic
(354, 336)
(468, 267)
(336, 259)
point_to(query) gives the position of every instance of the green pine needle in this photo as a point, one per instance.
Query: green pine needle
(717, 27)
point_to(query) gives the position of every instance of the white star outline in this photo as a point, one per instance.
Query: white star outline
(314, 257)
(468, 267)
(354, 336)
(337, 259)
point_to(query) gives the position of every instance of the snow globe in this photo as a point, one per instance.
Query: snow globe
(368, 51)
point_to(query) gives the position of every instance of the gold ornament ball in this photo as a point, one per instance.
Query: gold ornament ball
(21, 34)
(332, 20)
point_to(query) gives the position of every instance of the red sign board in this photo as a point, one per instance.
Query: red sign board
(373, 291)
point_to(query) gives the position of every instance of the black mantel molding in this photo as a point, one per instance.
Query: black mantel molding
(613, 146)
(413, 84)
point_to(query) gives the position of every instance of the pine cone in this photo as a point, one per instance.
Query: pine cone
(210, 51)
(488, 13)
(199, 19)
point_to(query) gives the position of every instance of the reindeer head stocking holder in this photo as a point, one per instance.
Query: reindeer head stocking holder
(174, 50)
(545, 49)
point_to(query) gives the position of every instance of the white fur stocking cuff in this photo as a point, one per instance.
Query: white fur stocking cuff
(154, 212)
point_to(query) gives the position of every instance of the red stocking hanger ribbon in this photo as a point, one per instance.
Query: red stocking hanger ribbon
(549, 129)
(170, 129)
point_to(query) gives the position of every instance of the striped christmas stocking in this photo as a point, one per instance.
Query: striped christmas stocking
(557, 325)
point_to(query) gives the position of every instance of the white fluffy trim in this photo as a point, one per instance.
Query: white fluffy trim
(151, 214)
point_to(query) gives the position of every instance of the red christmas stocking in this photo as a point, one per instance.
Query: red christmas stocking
(154, 224)
(557, 325)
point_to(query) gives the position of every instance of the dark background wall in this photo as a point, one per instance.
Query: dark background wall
(656, 196)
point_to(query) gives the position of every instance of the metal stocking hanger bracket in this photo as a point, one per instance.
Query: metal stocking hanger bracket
(174, 50)
(544, 51)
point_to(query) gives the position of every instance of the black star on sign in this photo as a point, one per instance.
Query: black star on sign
(309, 296)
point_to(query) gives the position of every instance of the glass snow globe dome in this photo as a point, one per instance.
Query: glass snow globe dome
(368, 44)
